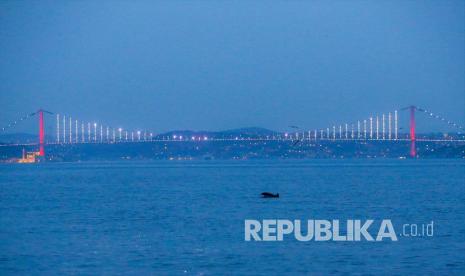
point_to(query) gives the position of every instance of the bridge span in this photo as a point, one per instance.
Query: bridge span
(383, 127)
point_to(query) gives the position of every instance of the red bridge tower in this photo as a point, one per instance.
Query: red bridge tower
(413, 150)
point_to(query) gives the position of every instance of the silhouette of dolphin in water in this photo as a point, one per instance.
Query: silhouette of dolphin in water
(269, 195)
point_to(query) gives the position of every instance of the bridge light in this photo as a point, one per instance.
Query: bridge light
(383, 127)
(58, 128)
(371, 127)
(64, 129)
(82, 133)
(77, 132)
(389, 126)
(95, 132)
(70, 130)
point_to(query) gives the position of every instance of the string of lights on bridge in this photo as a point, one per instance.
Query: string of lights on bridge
(69, 130)
(380, 127)
(14, 123)
(439, 117)
(377, 127)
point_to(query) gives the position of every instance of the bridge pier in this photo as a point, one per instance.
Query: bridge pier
(413, 150)
(41, 133)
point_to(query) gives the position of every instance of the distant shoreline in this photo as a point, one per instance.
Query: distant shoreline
(237, 150)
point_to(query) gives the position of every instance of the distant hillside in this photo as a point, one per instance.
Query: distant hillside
(242, 132)
(250, 131)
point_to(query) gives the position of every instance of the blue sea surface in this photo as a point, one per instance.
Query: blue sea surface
(187, 217)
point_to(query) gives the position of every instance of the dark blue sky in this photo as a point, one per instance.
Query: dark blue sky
(218, 65)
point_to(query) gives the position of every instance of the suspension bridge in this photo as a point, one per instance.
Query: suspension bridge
(380, 127)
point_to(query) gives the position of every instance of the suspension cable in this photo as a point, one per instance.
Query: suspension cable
(441, 118)
(14, 123)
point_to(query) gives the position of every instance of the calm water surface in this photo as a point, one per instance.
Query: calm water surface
(188, 217)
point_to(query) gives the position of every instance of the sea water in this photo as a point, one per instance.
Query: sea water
(187, 217)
